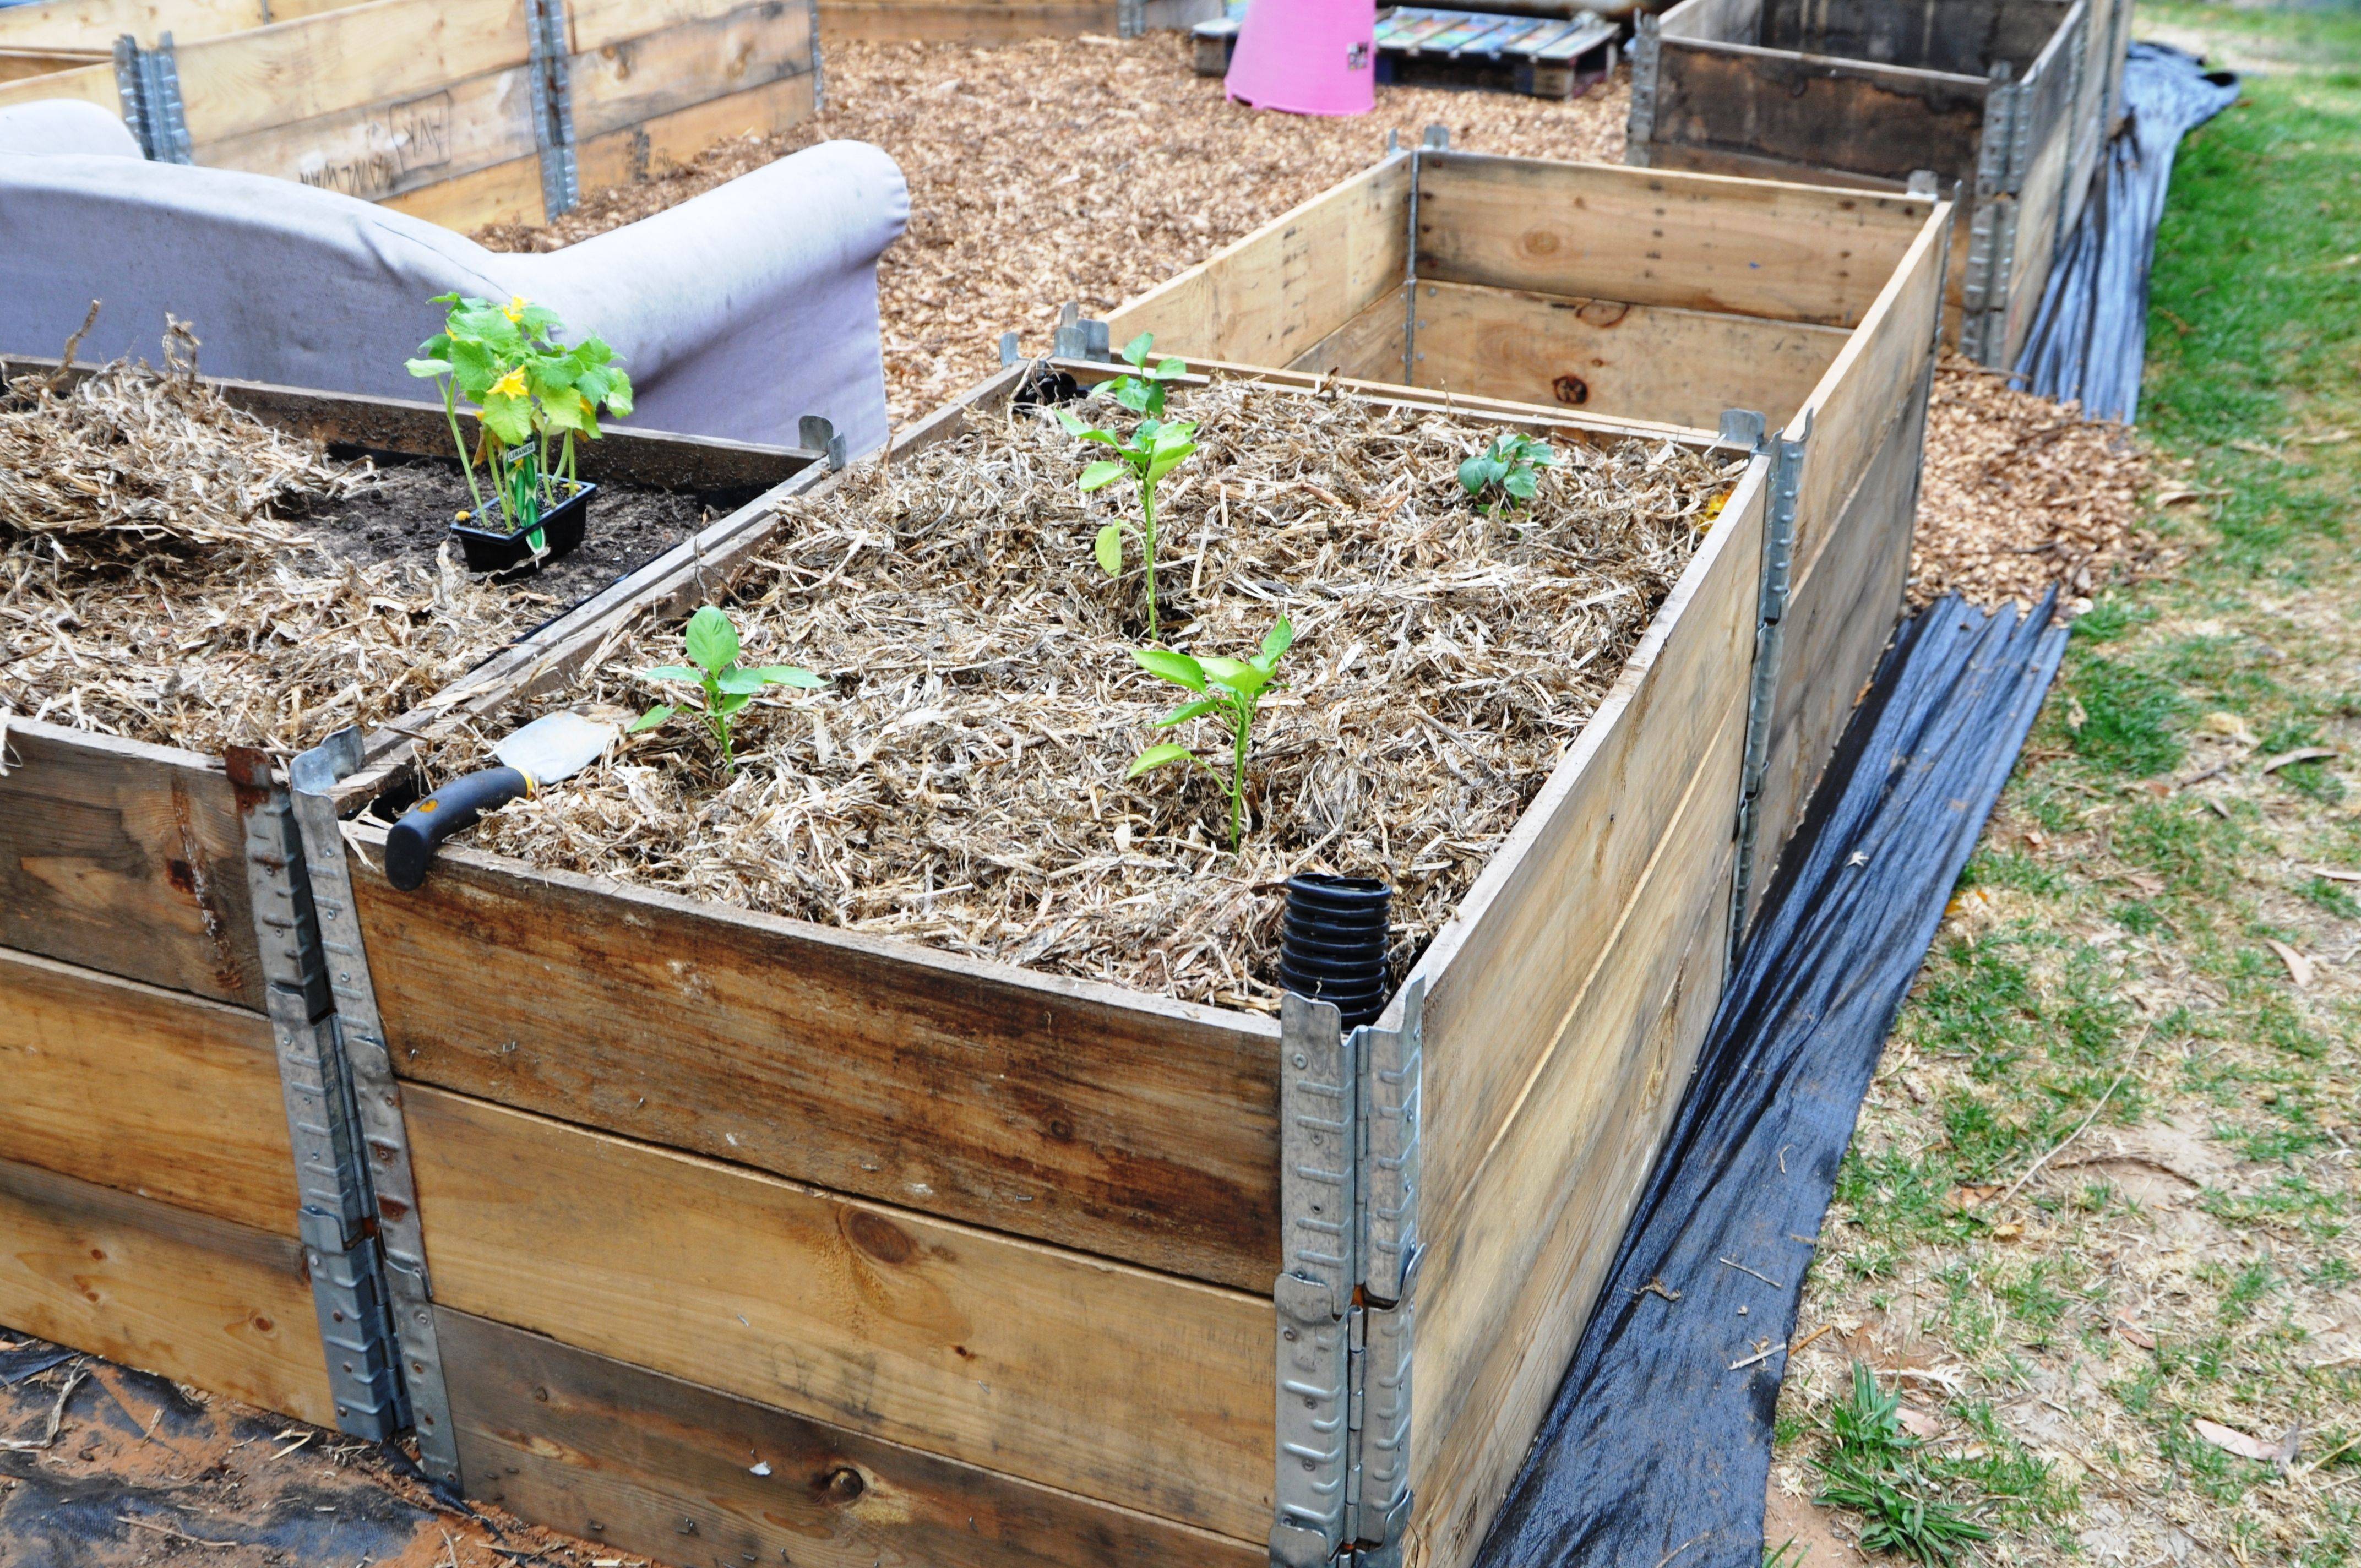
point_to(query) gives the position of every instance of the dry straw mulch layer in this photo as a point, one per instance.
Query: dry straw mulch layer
(2020, 494)
(157, 582)
(960, 780)
(1084, 169)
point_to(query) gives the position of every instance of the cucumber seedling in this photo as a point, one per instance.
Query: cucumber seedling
(724, 686)
(1511, 467)
(1153, 449)
(1230, 690)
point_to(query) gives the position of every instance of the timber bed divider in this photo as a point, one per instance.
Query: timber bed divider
(462, 112)
(719, 1236)
(162, 1059)
(2010, 101)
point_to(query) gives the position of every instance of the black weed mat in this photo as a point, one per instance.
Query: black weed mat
(1657, 1449)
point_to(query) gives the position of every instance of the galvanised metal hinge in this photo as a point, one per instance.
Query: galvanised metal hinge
(1130, 18)
(1349, 1174)
(147, 81)
(377, 1098)
(1077, 337)
(819, 75)
(818, 433)
(1998, 154)
(1646, 50)
(553, 108)
(1744, 427)
(335, 1218)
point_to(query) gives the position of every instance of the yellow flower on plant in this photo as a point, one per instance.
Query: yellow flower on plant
(515, 312)
(511, 385)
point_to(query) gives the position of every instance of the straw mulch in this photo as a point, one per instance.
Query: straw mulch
(1082, 169)
(961, 781)
(156, 584)
(2020, 493)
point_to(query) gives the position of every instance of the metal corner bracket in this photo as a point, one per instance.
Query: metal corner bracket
(1786, 455)
(377, 1184)
(148, 82)
(553, 108)
(1349, 1177)
(1080, 337)
(1646, 51)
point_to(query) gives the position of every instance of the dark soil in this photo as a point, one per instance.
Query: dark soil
(407, 516)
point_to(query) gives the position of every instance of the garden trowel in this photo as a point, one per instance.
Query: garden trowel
(555, 746)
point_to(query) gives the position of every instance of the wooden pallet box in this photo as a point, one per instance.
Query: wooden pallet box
(752, 1240)
(449, 109)
(2009, 102)
(148, 1193)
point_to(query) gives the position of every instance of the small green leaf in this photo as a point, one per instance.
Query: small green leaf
(1109, 550)
(1073, 426)
(1178, 668)
(789, 676)
(619, 395)
(1156, 756)
(1168, 458)
(1224, 672)
(731, 702)
(712, 640)
(674, 673)
(1278, 639)
(1135, 353)
(1521, 484)
(652, 717)
(739, 681)
(421, 368)
(1189, 710)
(1170, 369)
(1102, 473)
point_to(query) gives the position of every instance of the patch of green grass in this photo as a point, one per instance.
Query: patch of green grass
(2130, 718)
(1872, 1466)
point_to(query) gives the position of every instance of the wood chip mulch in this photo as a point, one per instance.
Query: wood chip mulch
(1076, 169)
(2020, 493)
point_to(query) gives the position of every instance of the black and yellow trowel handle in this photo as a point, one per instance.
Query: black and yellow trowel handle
(410, 845)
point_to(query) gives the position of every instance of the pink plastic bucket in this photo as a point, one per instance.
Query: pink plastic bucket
(1306, 57)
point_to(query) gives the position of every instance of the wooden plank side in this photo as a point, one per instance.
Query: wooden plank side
(631, 79)
(1367, 348)
(128, 859)
(1731, 21)
(1130, 1388)
(1869, 383)
(385, 149)
(198, 1299)
(1511, 1280)
(504, 194)
(1273, 295)
(634, 1459)
(634, 152)
(90, 83)
(1696, 242)
(1072, 1113)
(152, 1092)
(1817, 110)
(951, 21)
(386, 52)
(1512, 980)
(1608, 358)
(96, 24)
(1840, 613)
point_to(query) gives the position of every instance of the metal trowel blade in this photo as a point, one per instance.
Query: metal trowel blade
(555, 746)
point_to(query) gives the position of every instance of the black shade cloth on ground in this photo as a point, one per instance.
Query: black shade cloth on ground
(2090, 337)
(1657, 1447)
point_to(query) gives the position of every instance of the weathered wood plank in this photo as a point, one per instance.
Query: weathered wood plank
(90, 83)
(95, 23)
(1608, 358)
(971, 22)
(374, 150)
(1280, 291)
(1514, 981)
(1692, 241)
(1512, 1279)
(504, 194)
(629, 80)
(634, 1459)
(620, 157)
(1840, 613)
(1130, 1388)
(1083, 1114)
(1731, 21)
(1367, 348)
(1961, 36)
(128, 859)
(386, 52)
(153, 1091)
(1817, 110)
(198, 1299)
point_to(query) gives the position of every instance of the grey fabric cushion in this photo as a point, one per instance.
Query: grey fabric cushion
(65, 125)
(736, 312)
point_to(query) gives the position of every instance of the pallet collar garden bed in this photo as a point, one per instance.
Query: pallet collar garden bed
(2009, 102)
(716, 1236)
(464, 112)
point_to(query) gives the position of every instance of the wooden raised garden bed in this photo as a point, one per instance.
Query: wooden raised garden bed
(464, 112)
(148, 1196)
(2008, 102)
(750, 1238)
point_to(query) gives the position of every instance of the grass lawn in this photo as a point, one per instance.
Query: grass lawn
(2092, 1274)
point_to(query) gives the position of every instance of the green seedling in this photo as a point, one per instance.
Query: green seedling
(532, 396)
(1153, 449)
(1874, 1468)
(1231, 690)
(1511, 467)
(724, 685)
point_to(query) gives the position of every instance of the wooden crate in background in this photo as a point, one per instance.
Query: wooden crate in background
(430, 106)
